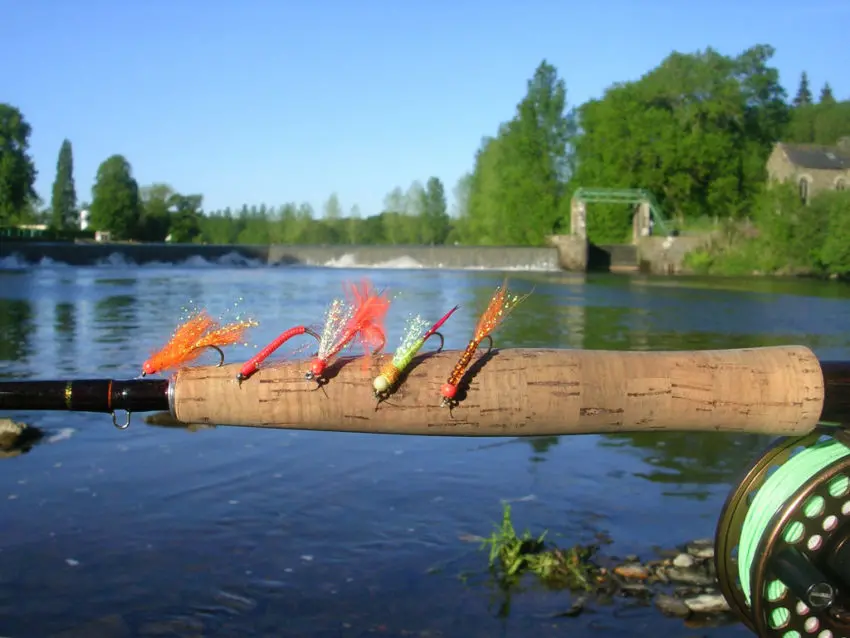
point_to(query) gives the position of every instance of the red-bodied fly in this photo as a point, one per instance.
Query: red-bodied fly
(362, 316)
(253, 364)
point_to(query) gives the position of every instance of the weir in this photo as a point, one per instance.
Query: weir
(453, 257)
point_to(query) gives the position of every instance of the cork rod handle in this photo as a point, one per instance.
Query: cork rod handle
(526, 392)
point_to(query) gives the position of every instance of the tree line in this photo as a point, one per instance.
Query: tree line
(696, 131)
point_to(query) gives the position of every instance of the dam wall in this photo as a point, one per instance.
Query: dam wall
(452, 257)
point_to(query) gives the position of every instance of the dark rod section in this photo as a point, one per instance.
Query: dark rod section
(836, 385)
(86, 395)
(804, 579)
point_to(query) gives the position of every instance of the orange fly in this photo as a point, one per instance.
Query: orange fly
(500, 306)
(198, 332)
(361, 316)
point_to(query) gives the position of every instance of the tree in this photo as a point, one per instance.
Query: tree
(434, 218)
(696, 131)
(461, 196)
(822, 123)
(185, 217)
(353, 225)
(155, 221)
(804, 94)
(17, 171)
(392, 224)
(521, 174)
(115, 203)
(63, 202)
(826, 96)
(333, 209)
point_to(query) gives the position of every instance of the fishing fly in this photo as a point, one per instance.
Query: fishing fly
(253, 364)
(500, 306)
(192, 337)
(415, 335)
(361, 316)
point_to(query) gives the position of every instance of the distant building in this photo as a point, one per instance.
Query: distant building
(84, 219)
(812, 168)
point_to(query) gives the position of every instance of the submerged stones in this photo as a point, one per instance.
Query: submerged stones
(17, 438)
(680, 583)
(683, 584)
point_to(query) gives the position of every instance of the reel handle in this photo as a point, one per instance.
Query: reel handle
(807, 582)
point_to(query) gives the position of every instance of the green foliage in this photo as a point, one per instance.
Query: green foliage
(804, 94)
(822, 123)
(514, 193)
(155, 219)
(115, 206)
(63, 203)
(434, 218)
(17, 171)
(186, 217)
(826, 96)
(696, 131)
(511, 555)
(791, 238)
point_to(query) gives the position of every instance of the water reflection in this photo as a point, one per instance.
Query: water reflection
(540, 445)
(759, 285)
(116, 316)
(607, 328)
(16, 329)
(64, 335)
(702, 458)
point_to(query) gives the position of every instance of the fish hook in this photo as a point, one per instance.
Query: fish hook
(442, 340)
(489, 346)
(220, 355)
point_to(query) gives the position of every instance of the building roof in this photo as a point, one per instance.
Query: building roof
(827, 158)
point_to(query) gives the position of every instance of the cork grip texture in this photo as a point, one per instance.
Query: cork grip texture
(526, 392)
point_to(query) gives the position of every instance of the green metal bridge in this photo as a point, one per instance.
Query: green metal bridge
(627, 196)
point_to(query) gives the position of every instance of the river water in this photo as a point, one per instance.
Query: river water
(243, 532)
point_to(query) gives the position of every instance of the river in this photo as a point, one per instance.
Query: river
(243, 532)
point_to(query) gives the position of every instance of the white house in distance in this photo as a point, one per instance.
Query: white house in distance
(84, 219)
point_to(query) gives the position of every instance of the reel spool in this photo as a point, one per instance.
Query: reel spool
(782, 547)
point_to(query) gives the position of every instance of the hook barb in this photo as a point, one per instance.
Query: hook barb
(220, 355)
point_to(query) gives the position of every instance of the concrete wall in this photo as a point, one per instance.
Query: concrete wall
(572, 251)
(666, 255)
(82, 254)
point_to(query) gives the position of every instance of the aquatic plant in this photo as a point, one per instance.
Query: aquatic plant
(511, 555)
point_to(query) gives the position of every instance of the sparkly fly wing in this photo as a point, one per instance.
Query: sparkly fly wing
(181, 347)
(339, 314)
(367, 322)
(227, 335)
(501, 305)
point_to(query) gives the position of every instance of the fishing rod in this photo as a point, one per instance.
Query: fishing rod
(782, 544)
(781, 390)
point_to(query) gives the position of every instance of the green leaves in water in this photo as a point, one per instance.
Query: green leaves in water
(512, 555)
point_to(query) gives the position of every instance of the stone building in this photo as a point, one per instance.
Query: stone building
(813, 168)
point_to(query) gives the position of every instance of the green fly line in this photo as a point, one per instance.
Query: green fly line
(774, 493)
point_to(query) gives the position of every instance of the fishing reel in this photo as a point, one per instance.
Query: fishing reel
(782, 547)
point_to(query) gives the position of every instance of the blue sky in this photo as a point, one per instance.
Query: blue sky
(268, 102)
